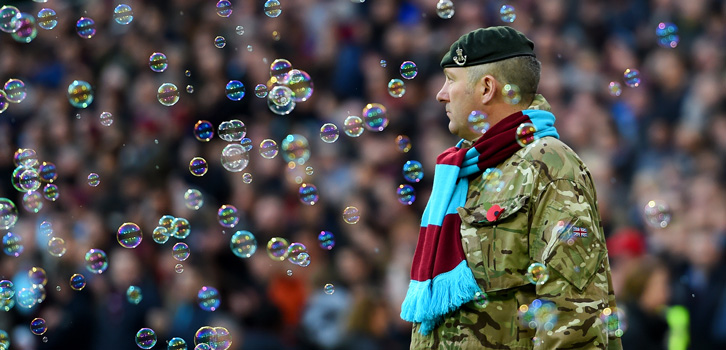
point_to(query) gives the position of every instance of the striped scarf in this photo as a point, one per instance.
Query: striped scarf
(441, 280)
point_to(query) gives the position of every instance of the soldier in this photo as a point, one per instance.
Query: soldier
(511, 251)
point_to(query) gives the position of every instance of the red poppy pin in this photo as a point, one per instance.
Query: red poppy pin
(494, 212)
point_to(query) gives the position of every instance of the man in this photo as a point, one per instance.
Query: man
(511, 253)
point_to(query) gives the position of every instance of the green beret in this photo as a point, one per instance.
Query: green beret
(486, 45)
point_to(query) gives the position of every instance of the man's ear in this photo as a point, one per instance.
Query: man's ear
(489, 85)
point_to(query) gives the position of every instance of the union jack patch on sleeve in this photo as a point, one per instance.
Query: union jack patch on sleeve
(578, 231)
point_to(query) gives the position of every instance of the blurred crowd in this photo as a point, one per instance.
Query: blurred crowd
(664, 140)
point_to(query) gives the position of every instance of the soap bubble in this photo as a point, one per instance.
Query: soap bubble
(129, 235)
(33, 201)
(445, 9)
(261, 90)
(272, 8)
(540, 314)
(403, 143)
(329, 133)
(178, 268)
(205, 335)
(94, 179)
(232, 130)
(167, 94)
(280, 95)
(615, 89)
(224, 8)
(481, 299)
(160, 235)
(295, 148)
(77, 282)
(193, 199)
(123, 14)
(198, 166)
(279, 68)
(667, 35)
(351, 215)
(180, 251)
(280, 109)
(326, 240)
(353, 126)
(277, 248)
(176, 343)
(146, 338)
(507, 13)
(297, 254)
(96, 261)
(15, 90)
(632, 77)
(511, 94)
(57, 247)
(134, 295)
(80, 94)
(224, 339)
(47, 19)
(180, 228)
(239, 30)
(374, 117)
(9, 19)
(7, 289)
(37, 326)
(26, 28)
(308, 194)
(537, 273)
(408, 70)
(235, 157)
(86, 28)
(329, 289)
(243, 244)
(50, 192)
(4, 103)
(478, 122)
(396, 88)
(268, 149)
(203, 131)
(247, 178)
(37, 275)
(406, 194)
(158, 62)
(246, 144)
(300, 84)
(614, 320)
(208, 298)
(525, 134)
(493, 180)
(657, 214)
(235, 90)
(106, 118)
(220, 42)
(227, 215)
(413, 171)
(384, 63)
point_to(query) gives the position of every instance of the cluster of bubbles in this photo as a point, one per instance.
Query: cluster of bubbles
(657, 214)
(286, 87)
(208, 337)
(27, 294)
(540, 314)
(396, 87)
(170, 226)
(537, 273)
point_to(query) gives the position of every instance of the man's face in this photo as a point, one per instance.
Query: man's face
(460, 100)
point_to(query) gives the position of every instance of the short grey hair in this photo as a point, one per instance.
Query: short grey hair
(523, 71)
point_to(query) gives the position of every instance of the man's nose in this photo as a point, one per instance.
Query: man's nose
(443, 95)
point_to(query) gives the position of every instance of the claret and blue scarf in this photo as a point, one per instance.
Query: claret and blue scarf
(441, 280)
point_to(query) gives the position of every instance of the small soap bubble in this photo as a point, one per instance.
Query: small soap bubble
(413, 171)
(26, 298)
(160, 235)
(180, 251)
(525, 134)
(33, 201)
(45, 228)
(178, 268)
(80, 94)
(8, 213)
(123, 14)
(667, 34)
(657, 214)
(492, 178)
(384, 63)
(268, 148)
(632, 77)
(227, 215)
(167, 94)
(329, 289)
(249, 48)
(511, 94)
(240, 30)
(481, 299)
(47, 19)
(275, 35)
(26, 157)
(50, 192)
(297, 254)
(96, 261)
(4, 340)
(37, 275)
(188, 73)
(235, 157)
(326, 239)
(4, 103)
(351, 215)
(280, 95)
(308, 194)
(7, 289)
(353, 126)
(224, 8)
(26, 28)
(208, 298)
(146, 338)
(106, 118)
(289, 272)
(507, 13)
(77, 282)
(277, 248)
(403, 143)
(247, 178)
(158, 62)
(615, 89)
(272, 8)
(180, 228)
(198, 166)
(277, 108)
(204, 336)
(8, 19)
(261, 90)
(246, 144)
(176, 343)
(537, 273)
(220, 42)
(408, 70)
(134, 295)
(295, 148)
(86, 28)
(203, 131)
(28, 179)
(232, 130)
(57, 247)
(37, 326)
(445, 9)
(406, 194)
(243, 244)
(374, 117)
(129, 235)
(309, 170)
(300, 84)
(329, 133)
(478, 122)
(614, 321)
(396, 88)
(190, 89)
(167, 222)
(193, 199)
(93, 179)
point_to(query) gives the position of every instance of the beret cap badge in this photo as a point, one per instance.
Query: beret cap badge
(460, 58)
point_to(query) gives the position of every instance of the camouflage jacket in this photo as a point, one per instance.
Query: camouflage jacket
(543, 211)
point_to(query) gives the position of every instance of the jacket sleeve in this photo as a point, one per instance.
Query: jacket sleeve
(566, 236)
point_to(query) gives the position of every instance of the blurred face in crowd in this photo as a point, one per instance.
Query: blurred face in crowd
(460, 99)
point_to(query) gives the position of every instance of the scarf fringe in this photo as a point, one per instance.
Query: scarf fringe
(428, 301)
